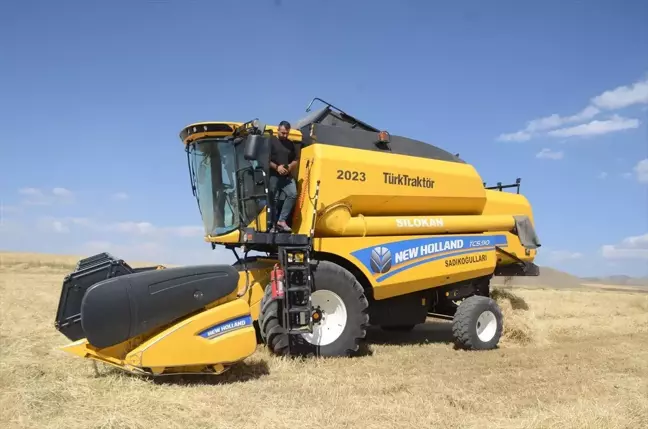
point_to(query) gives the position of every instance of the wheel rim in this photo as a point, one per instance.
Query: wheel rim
(334, 318)
(486, 326)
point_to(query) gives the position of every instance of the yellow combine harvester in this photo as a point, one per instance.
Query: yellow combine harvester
(387, 231)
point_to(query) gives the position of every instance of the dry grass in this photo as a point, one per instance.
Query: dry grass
(569, 359)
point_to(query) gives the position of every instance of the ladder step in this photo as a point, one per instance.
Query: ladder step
(299, 310)
(302, 330)
(298, 289)
(297, 268)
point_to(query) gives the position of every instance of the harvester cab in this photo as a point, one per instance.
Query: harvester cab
(386, 231)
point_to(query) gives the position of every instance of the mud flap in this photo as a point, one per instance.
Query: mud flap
(526, 232)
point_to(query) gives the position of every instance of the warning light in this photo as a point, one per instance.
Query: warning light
(383, 137)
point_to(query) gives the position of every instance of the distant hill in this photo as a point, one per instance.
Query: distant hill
(621, 280)
(549, 277)
(556, 279)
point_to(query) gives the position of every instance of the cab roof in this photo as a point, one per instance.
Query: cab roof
(201, 130)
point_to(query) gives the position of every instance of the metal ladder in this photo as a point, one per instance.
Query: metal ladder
(295, 260)
(297, 309)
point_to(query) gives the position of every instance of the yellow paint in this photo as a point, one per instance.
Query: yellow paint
(179, 347)
(259, 278)
(357, 208)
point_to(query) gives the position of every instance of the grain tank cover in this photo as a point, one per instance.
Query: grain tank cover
(326, 116)
(335, 127)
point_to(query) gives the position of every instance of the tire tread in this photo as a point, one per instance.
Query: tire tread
(270, 315)
(462, 325)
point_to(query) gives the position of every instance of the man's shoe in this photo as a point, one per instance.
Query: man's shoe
(282, 226)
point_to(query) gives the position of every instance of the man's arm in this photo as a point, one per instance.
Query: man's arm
(293, 164)
(273, 164)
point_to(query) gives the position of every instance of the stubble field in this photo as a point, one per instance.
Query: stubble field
(568, 359)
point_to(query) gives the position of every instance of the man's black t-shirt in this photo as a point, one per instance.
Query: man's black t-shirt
(282, 152)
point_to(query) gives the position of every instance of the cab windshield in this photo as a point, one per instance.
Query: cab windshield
(212, 164)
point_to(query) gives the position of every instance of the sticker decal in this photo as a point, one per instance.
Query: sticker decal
(463, 260)
(388, 259)
(381, 260)
(407, 180)
(419, 223)
(225, 327)
(356, 176)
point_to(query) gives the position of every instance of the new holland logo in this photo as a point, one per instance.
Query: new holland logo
(381, 260)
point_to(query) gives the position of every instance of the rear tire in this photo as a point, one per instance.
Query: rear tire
(340, 296)
(477, 324)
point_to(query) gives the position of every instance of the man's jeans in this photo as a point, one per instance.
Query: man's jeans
(285, 184)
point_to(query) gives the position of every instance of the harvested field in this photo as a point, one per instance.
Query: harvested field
(569, 359)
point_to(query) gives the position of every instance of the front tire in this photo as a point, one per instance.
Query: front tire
(477, 324)
(342, 301)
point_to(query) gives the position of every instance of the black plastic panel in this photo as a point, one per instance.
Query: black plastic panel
(277, 238)
(88, 271)
(121, 308)
(365, 140)
(400, 310)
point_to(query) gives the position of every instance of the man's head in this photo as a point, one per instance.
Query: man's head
(283, 130)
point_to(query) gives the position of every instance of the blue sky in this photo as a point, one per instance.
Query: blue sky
(94, 94)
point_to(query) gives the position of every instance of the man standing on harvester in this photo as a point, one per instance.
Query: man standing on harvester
(283, 161)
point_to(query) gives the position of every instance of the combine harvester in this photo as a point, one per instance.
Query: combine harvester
(387, 231)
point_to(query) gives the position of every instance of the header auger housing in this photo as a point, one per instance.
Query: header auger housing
(387, 231)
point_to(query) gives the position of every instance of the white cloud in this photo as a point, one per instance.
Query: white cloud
(641, 171)
(564, 255)
(53, 225)
(635, 247)
(519, 136)
(603, 175)
(59, 227)
(134, 240)
(119, 196)
(549, 154)
(623, 96)
(188, 231)
(555, 121)
(618, 98)
(62, 192)
(147, 228)
(32, 192)
(157, 251)
(4, 210)
(145, 251)
(132, 228)
(597, 127)
(36, 196)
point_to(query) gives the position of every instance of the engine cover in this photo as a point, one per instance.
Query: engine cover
(120, 308)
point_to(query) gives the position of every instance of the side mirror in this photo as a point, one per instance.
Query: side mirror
(253, 146)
